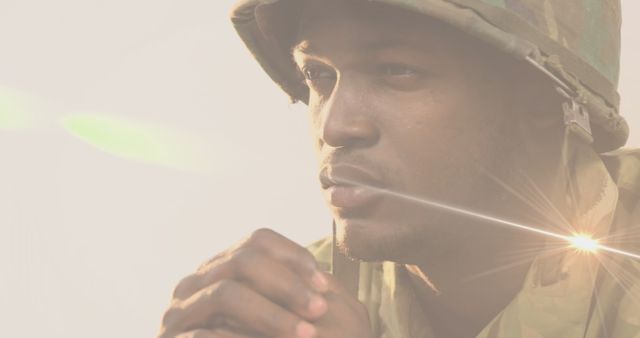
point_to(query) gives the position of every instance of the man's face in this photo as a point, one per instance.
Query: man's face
(402, 103)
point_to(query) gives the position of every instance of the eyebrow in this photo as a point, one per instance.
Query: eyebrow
(305, 47)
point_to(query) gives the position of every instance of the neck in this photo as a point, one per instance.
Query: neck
(461, 306)
(463, 292)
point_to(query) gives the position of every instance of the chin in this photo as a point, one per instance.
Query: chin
(374, 242)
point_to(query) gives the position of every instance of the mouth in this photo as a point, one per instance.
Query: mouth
(350, 188)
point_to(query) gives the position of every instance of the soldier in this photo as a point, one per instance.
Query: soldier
(460, 143)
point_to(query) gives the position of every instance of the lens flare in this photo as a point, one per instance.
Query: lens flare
(584, 243)
(16, 109)
(138, 141)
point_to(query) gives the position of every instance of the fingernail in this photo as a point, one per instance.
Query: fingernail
(317, 305)
(305, 330)
(320, 282)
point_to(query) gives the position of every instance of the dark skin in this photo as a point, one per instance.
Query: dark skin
(266, 286)
(429, 111)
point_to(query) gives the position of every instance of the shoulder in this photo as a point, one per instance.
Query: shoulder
(624, 167)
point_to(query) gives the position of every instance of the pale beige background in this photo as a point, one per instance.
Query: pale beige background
(91, 244)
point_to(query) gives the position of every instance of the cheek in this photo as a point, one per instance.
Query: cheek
(423, 127)
(438, 114)
(440, 137)
(417, 131)
(315, 124)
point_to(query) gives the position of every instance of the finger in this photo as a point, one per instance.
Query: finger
(198, 334)
(216, 333)
(240, 304)
(339, 294)
(294, 255)
(274, 244)
(192, 283)
(264, 274)
(215, 271)
(274, 280)
(334, 285)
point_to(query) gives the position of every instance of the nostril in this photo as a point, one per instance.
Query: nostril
(349, 131)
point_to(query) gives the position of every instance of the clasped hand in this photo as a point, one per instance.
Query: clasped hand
(265, 286)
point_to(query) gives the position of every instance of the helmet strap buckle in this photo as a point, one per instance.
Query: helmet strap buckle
(576, 120)
(576, 116)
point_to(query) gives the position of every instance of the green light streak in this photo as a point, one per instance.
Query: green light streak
(136, 141)
(14, 110)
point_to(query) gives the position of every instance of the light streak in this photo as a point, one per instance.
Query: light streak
(16, 109)
(618, 251)
(582, 242)
(133, 140)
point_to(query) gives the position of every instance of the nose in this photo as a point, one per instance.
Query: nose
(347, 119)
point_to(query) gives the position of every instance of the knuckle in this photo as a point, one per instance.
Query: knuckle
(183, 286)
(210, 262)
(164, 334)
(297, 294)
(308, 259)
(202, 334)
(260, 237)
(222, 292)
(280, 322)
(303, 259)
(304, 298)
(246, 259)
(186, 286)
(171, 317)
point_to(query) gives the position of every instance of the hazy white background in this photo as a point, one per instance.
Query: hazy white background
(91, 244)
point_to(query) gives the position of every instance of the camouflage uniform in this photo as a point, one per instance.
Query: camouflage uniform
(576, 43)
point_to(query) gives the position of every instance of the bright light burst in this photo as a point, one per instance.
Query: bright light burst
(585, 243)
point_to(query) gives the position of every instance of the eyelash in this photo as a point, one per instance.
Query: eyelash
(399, 76)
(406, 70)
(385, 69)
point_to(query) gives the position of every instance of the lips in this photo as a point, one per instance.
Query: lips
(350, 187)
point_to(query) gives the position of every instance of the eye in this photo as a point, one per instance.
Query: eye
(319, 78)
(399, 70)
(316, 72)
(401, 76)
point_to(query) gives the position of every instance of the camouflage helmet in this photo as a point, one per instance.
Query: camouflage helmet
(576, 43)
